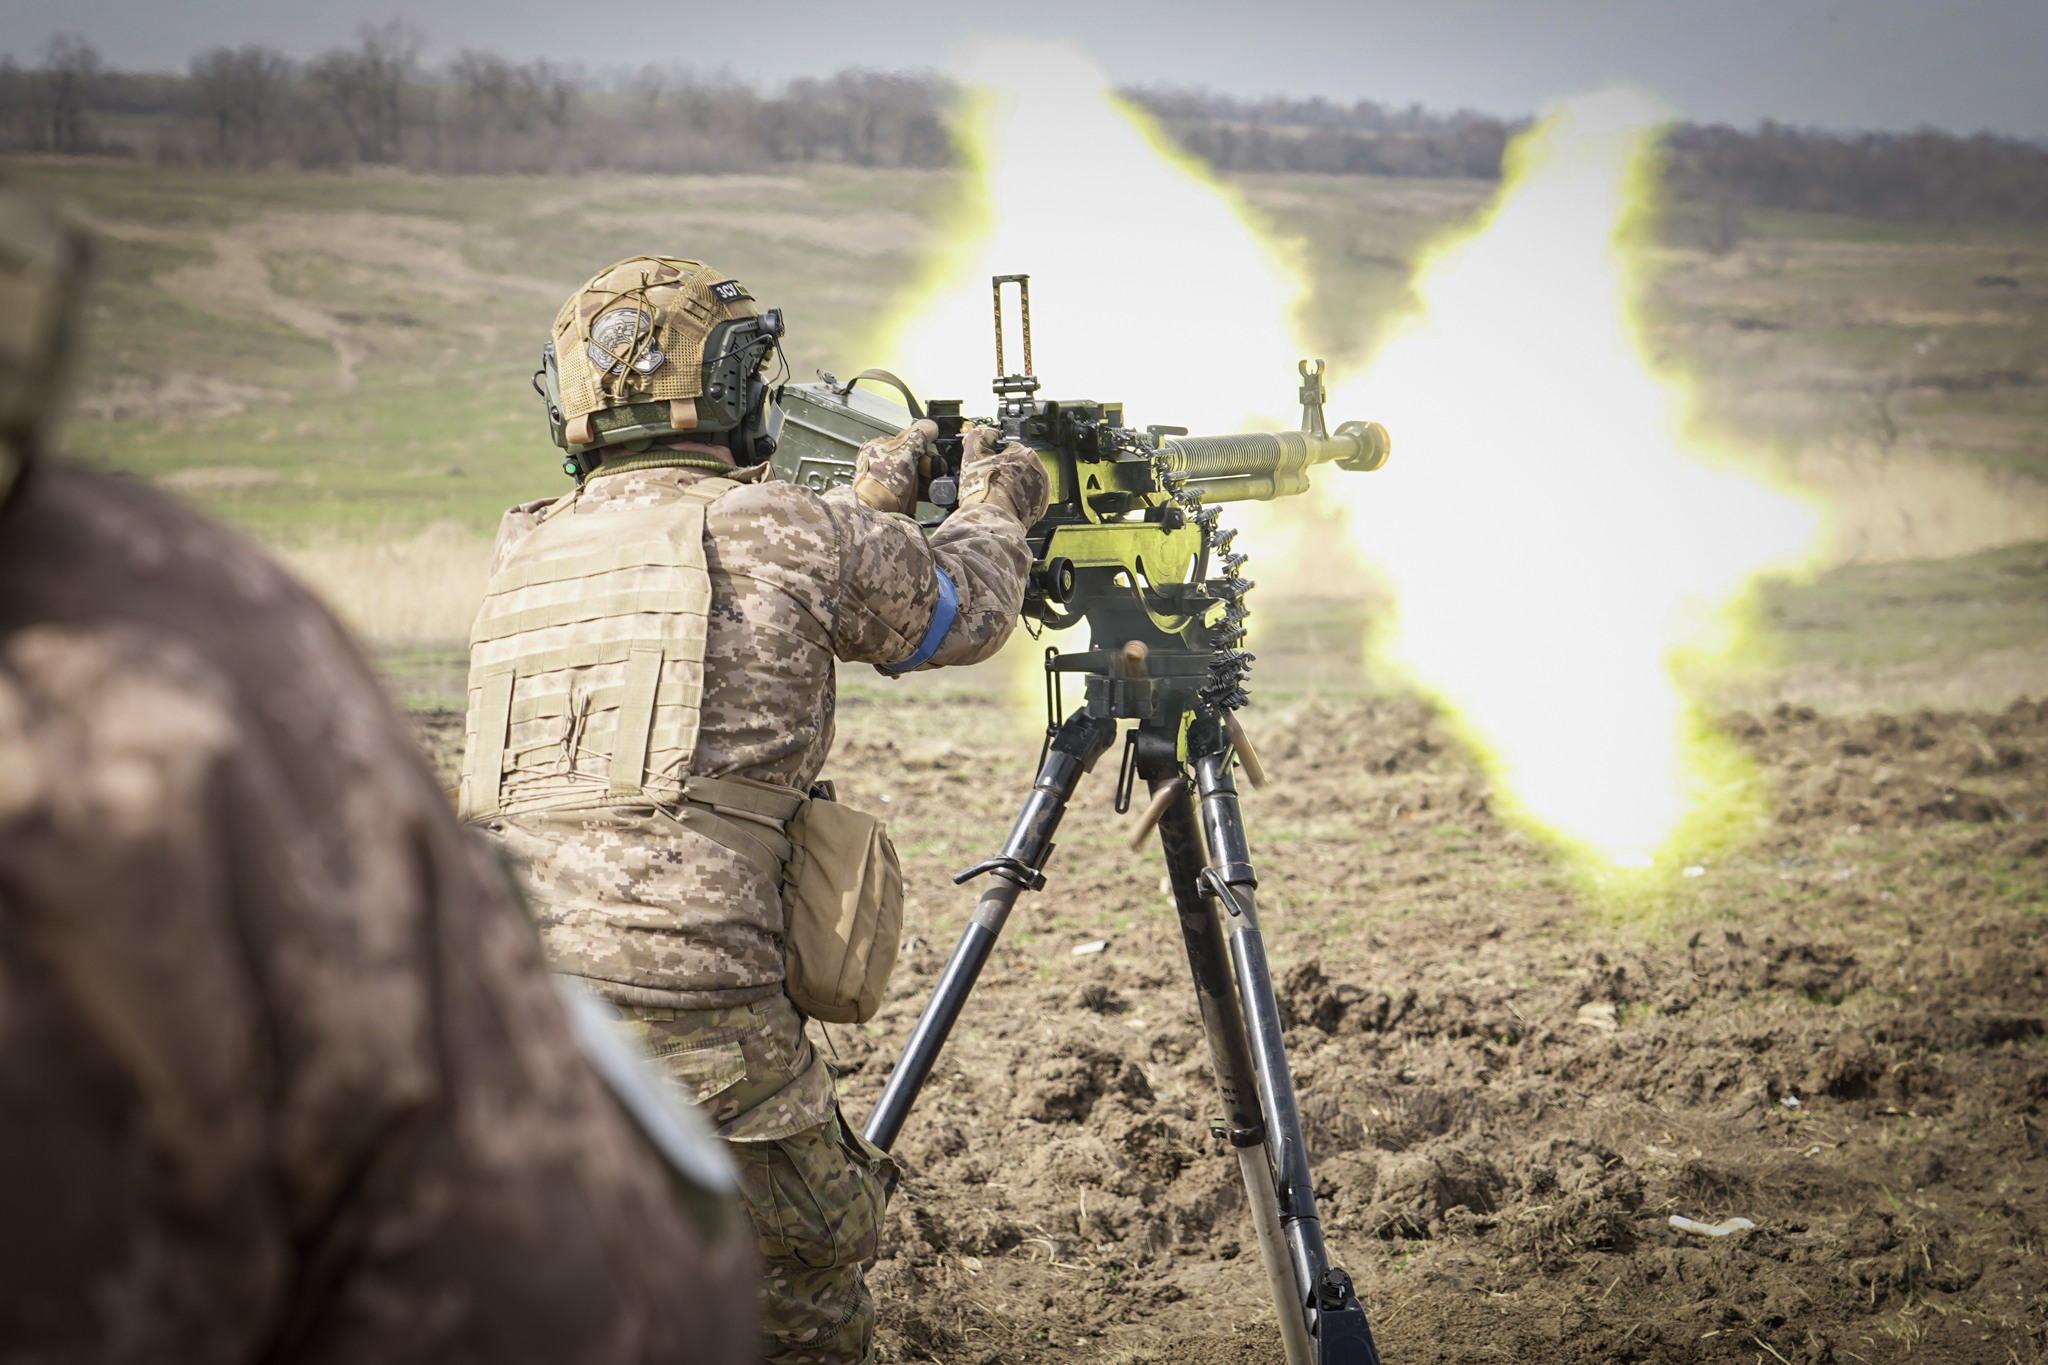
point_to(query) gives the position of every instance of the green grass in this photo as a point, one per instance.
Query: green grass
(316, 356)
(1941, 611)
(444, 286)
(426, 679)
(381, 459)
(1775, 224)
(369, 340)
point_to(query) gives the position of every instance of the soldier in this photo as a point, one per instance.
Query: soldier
(283, 1076)
(651, 698)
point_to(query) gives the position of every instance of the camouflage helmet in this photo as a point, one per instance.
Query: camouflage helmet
(42, 256)
(658, 348)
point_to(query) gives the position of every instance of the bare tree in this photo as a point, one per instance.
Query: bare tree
(17, 106)
(366, 89)
(238, 98)
(645, 88)
(1926, 174)
(64, 92)
(507, 116)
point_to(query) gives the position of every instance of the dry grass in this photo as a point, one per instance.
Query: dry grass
(1884, 507)
(1984, 682)
(219, 478)
(339, 364)
(419, 590)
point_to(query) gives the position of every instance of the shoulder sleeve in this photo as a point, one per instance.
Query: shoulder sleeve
(517, 523)
(889, 588)
(126, 995)
(280, 1060)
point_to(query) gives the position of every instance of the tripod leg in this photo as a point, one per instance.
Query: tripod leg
(1338, 1320)
(1075, 746)
(1229, 1052)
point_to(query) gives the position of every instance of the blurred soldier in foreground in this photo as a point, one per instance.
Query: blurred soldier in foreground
(282, 1074)
(651, 699)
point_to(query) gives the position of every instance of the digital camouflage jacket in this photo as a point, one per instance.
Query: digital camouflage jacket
(651, 913)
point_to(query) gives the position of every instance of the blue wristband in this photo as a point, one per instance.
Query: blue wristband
(942, 621)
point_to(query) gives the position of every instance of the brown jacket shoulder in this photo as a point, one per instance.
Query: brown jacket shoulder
(282, 1075)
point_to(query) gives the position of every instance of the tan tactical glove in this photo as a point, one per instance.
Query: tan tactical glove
(1011, 478)
(886, 470)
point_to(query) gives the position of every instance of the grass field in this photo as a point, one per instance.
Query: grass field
(340, 363)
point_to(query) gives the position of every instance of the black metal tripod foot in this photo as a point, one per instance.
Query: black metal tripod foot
(1019, 866)
(1342, 1336)
(1326, 1322)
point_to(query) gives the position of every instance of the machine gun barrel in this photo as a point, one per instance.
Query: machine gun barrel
(827, 422)
(1255, 466)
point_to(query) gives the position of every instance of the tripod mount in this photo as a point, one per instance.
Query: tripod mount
(1183, 742)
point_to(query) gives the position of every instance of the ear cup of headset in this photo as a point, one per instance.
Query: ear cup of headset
(758, 430)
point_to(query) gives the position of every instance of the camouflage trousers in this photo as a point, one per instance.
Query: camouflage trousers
(812, 1185)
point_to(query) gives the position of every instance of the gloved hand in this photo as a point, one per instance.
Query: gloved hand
(887, 471)
(1012, 477)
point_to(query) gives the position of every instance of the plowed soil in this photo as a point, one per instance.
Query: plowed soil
(1836, 1034)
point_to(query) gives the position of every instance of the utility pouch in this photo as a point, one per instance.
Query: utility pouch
(842, 900)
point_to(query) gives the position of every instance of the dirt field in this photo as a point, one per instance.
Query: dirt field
(1837, 1034)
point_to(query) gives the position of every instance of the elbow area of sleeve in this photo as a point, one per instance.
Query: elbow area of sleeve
(943, 616)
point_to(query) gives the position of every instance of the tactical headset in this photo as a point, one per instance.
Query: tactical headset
(736, 402)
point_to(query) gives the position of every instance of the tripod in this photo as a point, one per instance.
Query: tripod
(1184, 753)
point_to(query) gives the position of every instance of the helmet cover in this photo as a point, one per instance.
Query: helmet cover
(634, 335)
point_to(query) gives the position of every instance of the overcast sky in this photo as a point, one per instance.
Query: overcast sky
(1961, 65)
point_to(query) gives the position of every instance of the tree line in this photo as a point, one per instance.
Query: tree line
(1321, 137)
(1923, 175)
(374, 103)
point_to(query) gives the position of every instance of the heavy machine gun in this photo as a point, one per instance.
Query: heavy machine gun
(1132, 545)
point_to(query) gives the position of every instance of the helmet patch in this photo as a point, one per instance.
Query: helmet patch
(616, 335)
(637, 333)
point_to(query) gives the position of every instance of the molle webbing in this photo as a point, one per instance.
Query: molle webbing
(587, 661)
